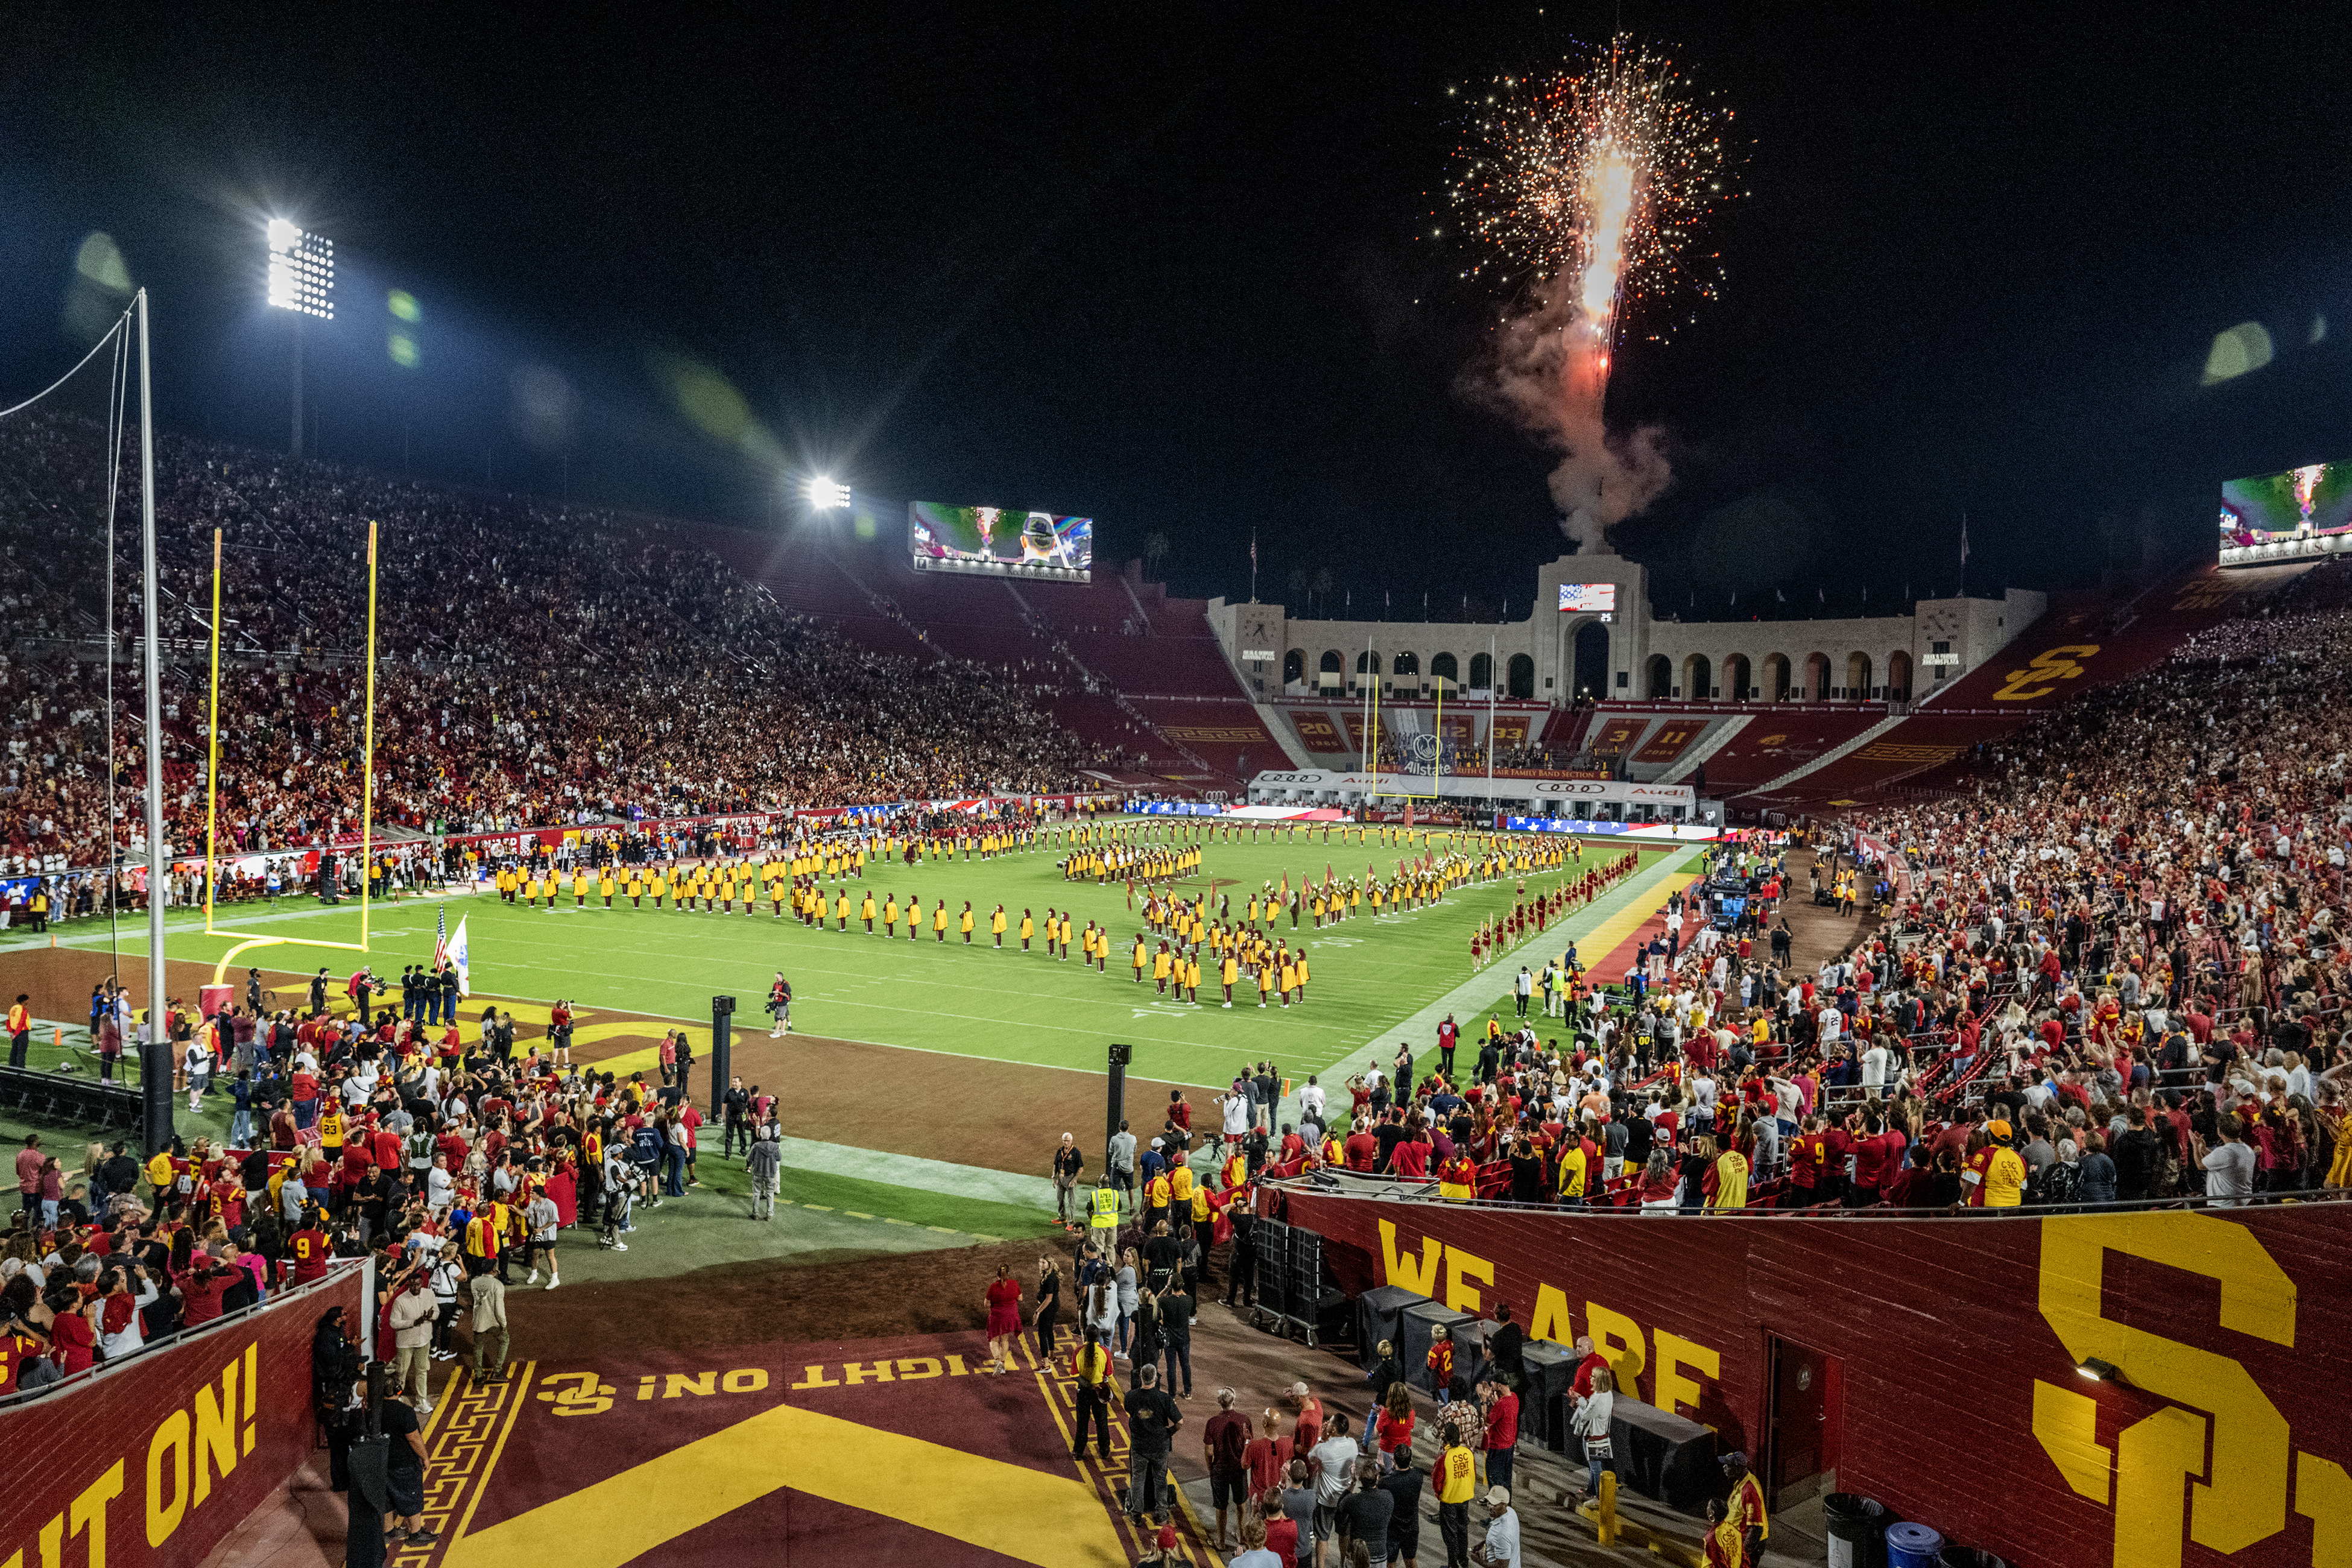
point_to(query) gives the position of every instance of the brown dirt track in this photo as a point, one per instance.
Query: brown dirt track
(813, 1297)
(1006, 1116)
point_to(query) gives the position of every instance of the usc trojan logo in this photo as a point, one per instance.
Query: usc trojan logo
(2041, 678)
(2208, 594)
(2238, 1495)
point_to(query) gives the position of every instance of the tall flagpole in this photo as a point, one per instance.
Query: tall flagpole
(212, 742)
(154, 1055)
(1490, 718)
(367, 755)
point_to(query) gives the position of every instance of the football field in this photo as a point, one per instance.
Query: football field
(1376, 980)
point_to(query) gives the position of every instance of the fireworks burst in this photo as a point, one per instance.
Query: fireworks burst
(1584, 190)
(1598, 175)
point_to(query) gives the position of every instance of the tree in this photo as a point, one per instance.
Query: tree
(1297, 581)
(1323, 588)
(1155, 550)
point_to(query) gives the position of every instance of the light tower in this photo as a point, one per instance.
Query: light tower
(301, 281)
(824, 494)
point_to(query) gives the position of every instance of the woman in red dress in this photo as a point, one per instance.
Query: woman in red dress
(1003, 1320)
(563, 1191)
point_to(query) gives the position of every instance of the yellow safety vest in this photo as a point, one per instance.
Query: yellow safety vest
(1106, 1208)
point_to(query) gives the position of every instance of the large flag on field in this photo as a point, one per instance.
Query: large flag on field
(452, 947)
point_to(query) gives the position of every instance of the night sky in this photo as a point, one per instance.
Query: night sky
(1176, 274)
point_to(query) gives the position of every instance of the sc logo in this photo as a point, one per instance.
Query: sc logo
(2041, 678)
(2218, 1438)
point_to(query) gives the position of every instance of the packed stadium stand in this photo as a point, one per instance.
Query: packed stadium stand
(2085, 642)
(536, 664)
(1132, 672)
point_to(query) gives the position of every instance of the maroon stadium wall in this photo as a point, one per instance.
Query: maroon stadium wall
(1952, 1347)
(154, 1461)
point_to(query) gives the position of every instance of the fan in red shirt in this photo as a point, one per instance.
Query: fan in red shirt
(309, 1251)
(15, 1349)
(1268, 1458)
(1869, 1164)
(1308, 1430)
(1362, 1149)
(228, 1201)
(202, 1285)
(1582, 1385)
(1804, 1173)
(73, 1343)
(1502, 1431)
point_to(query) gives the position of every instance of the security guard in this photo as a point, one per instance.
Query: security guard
(1096, 1388)
(1105, 1214)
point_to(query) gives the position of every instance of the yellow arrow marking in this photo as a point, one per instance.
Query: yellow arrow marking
(1055, 1521)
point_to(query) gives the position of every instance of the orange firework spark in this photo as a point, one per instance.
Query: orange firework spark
(1601, 173)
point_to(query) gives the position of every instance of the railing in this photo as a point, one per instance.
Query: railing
(1619, 1192)
(279, 1296)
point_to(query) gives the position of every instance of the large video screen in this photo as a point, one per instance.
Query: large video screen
(2313, 498)
(1001, 538)
(1586, 597)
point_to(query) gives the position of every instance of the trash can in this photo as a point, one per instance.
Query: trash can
(1857, 1529)
(1971, 1557)
(1913, 1546)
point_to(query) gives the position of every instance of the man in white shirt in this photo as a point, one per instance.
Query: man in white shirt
(2228, 1166)
(1235, 1104)
(1874, 1064)
(1310, 1102)
(1334, 1460)
(1502, 1549)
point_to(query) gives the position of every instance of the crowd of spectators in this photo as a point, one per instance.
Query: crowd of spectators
(2112, 971)
(455, 1154)
(535, 664)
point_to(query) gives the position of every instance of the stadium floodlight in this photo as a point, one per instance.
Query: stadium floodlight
(300, 279)
(301, 275)
(825, 494)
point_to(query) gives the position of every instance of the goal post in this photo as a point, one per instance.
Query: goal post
(248, 938)
(1406, 771)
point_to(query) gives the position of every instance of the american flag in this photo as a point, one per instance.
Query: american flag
(441, 937)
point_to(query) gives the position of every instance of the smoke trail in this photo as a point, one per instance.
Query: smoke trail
(1547, 369)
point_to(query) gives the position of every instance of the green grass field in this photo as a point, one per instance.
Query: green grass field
(1375, 980)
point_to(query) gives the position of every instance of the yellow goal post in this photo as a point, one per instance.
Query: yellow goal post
(246, 938)
(1406, 771)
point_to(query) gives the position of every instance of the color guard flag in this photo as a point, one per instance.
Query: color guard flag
(459, 955)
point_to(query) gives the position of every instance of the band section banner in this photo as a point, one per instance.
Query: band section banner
(155, 1459)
